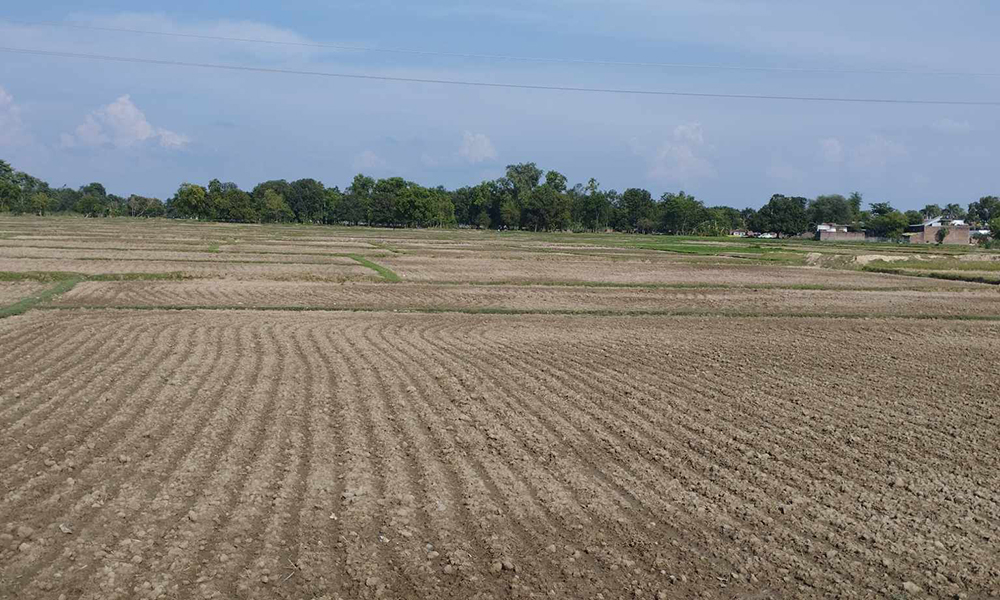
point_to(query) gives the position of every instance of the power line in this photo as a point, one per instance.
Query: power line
(485, 84)
(502, 57)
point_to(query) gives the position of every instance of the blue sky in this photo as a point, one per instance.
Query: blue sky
(145, 129)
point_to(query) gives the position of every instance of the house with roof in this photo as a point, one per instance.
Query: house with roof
(832, 232)
(958, 231)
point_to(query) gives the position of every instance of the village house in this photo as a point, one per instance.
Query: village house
(831, 232)
(959, 232)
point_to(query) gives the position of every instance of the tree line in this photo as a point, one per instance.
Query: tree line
(525, 198)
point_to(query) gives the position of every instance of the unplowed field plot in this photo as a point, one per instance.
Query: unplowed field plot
(628, 424)
(375, 296)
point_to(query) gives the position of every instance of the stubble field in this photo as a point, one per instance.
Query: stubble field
(210, 411)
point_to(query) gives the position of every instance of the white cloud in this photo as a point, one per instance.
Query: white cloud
(832, 150)
(477, 148)
(368, 160)
(876, 153)
(689, 132)
(12, 130)
(951, 126)
(679, 160)
(122, 125)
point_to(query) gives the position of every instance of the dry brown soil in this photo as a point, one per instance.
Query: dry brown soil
(382, 442)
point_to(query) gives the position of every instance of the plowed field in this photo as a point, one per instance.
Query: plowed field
(825, 434)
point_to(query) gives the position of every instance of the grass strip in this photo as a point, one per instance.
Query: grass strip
(171, 276)
(385, 272)
(693, 286)
(28, 303)
(42, 276)
(933, 275)
(545, 312)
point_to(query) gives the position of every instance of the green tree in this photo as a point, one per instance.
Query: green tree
(941, 235)
(637, 204)
(357, 199)
(890, 225)
(995, 228)
(274, 209)
(546, 208)
(190, 202)
(681, 214)
(953, 212)
(39, 203)
(985, 209)
(914, 217)
(881, 209)
(855, 200)
(10, 196)
(781, 215)
(307, 199)
(832, 208)
(931, 211)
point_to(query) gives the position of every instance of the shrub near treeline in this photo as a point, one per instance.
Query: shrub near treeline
(526, 197)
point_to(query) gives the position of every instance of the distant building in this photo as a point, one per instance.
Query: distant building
(831, 232)
(959, 232)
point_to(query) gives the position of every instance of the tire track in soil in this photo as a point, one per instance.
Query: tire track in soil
(85, 451)
(365, 554)
(473, 479)
(560, 494)
(627, 532)
(79, 507)
(399, 475)
(141, 483)
(696, 441)
(67, 400)
(197, 462)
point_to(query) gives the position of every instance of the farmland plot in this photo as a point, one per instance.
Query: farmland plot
(629, 424)
(289, 454)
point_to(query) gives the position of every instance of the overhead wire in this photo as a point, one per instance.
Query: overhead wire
(487, 84)
(503, 57)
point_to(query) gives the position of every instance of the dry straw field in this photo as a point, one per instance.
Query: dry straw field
(212, 411)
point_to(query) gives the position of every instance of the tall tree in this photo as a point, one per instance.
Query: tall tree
(931, 211)
(307, 199)
(985, 209)
(189, 202)
(832, 208)
(953, 211)
(638, 206)
(782, 215)
(681, 213)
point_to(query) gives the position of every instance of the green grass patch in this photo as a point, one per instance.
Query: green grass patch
(42, 276)
(28, 303)
(966, 277)
(172, 276)
(385, 272)
(942, 265)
